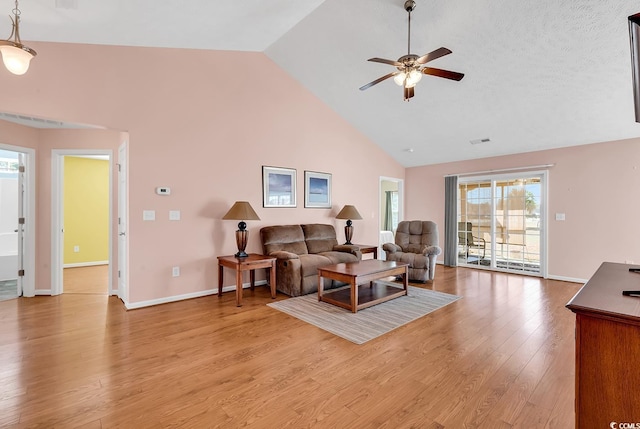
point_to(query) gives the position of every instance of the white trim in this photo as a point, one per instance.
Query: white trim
(501, 170)
(85, 264)
(168, 299)
(57, 215)
(45, 292)
(29, 279)
(567, 279)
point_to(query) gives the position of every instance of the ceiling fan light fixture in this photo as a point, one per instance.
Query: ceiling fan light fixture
(16, 56)
(399, 78)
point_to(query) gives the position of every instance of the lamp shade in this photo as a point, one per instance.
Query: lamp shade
(16, 58)
(348, 212)
(241, 210)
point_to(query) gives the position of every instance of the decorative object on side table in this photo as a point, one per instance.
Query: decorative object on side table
(348, 212)
(241, 210)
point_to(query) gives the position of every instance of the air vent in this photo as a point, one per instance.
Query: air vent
(479, 141)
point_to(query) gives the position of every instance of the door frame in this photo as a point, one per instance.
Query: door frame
(57, 214)
(123, 222)
(29, 230)
(544, 215)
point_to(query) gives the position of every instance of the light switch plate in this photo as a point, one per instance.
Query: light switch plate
(174, 215)
(560, 216)
(148, 215)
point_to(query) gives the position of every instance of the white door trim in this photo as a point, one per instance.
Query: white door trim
(57, 213)
(29, 235)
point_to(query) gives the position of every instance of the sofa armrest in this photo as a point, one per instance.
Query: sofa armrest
(391, 248)
(281, 254)
(349, 248)
(432, 250)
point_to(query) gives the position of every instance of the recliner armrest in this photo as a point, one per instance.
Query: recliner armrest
(281, 254)
(391, 247)
(432, 250)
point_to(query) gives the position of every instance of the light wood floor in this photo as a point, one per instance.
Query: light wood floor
(501, 357)
(93, 280)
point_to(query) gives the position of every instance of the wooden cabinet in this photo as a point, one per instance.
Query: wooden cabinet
(607, 349)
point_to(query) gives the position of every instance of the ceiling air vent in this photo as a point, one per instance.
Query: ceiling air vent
(478, 141)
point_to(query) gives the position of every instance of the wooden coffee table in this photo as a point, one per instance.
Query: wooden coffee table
(356, 298)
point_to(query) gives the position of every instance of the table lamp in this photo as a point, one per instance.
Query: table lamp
(241, 211)
(348, 212)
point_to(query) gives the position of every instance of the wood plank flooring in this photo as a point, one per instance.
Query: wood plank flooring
(501, 357)
(93, 279)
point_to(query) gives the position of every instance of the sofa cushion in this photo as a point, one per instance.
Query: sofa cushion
(319, 237)
(288, 238)
(340, 257)
(311, 262)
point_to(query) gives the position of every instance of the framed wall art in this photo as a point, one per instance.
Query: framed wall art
(317, 190)
(278, 187)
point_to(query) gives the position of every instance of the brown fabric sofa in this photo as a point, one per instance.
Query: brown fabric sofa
(416, 244)
(300, 250)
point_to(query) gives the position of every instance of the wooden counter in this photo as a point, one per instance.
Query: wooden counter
(607, 348)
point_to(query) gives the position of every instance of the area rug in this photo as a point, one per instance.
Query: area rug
(8, 289)
(367, 323)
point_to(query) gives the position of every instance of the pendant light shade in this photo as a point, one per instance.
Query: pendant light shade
(16, 56)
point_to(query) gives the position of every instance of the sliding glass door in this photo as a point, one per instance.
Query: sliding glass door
(500, 222)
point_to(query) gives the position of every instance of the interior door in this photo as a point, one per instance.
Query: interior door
(123, 293)
(21, 218)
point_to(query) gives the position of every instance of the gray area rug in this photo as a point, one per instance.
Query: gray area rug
(370, 322)
(8, 289)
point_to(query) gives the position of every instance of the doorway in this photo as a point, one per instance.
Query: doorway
(82, 219)
(17, 220)
(501, 222)
(391, 210)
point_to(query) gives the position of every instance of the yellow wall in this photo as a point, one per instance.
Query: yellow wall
(86, 210)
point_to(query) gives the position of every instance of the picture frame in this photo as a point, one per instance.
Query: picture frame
(278, 187)
(317, 190)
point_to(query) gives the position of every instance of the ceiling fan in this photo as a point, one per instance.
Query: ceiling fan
(410, 66)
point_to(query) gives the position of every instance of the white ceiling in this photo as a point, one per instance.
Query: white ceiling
(539, 74)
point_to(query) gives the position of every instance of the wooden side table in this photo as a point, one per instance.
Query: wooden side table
(250, 263)
(368, 248)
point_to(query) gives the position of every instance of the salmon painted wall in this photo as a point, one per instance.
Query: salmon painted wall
(204, 127)
(596, 186)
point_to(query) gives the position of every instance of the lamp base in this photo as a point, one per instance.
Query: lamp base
(241, 241)
(348, 233)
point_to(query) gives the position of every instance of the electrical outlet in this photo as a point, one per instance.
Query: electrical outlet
(76, 249)
(176, 272)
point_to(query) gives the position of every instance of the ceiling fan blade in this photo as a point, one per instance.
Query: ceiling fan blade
(380, 79)
(408, 93)
(443, 73)
(383, 61)
(440, 52)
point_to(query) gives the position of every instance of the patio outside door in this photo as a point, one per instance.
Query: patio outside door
(500, 222)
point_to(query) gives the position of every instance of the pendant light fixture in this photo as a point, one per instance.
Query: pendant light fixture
(15, 55)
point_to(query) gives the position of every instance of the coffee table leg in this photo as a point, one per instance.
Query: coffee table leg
(405, 280)
(320, 286)
(354, 296)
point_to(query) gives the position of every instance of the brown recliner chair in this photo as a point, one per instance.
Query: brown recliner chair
(416, 243)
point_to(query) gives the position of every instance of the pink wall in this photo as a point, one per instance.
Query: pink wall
(596, 186)
(204, 126)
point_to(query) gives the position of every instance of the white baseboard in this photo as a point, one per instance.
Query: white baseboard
(168, 299)
(567, 279)
(43, 292)
(85, 264)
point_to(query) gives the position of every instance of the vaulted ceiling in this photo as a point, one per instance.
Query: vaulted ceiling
(538, 74)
